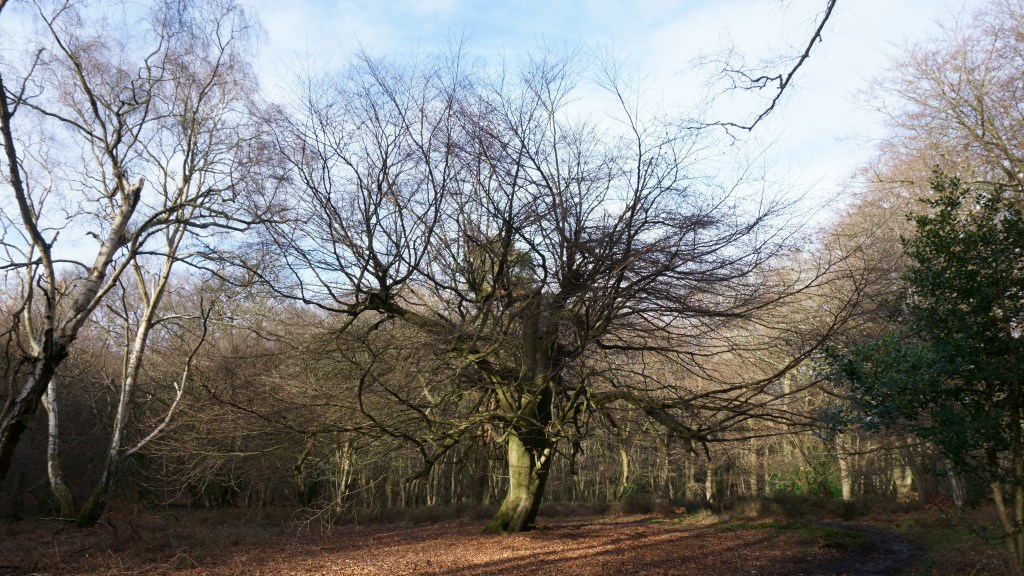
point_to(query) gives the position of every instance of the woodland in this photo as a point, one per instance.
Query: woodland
(442, 287)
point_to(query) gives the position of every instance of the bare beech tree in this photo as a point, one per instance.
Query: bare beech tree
(149, 146)
(546, 263)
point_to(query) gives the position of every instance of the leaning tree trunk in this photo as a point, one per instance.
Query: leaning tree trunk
(1011, 532)
(22, 405)
(94, 507)
(529, 460)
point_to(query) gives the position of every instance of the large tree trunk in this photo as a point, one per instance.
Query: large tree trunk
(662, 492)
(528, 465)
(956, 488)
(529, 447)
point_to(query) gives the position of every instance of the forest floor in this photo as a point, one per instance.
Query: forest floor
(233, 543)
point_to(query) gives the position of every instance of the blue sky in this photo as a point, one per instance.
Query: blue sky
(821, 133)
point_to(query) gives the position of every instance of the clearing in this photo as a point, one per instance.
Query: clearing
(230, 543)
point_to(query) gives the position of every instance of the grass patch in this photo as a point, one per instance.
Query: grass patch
(951, 542)
(550, 510)
(831, 537)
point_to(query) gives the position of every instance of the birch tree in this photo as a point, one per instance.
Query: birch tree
(117, 146)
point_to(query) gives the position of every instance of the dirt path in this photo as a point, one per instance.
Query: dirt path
(885, 554)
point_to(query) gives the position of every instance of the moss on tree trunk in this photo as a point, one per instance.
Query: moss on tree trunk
(528, 465)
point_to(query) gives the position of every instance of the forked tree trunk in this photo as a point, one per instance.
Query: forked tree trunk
(662, 492)
(529, 448)
(528, 465)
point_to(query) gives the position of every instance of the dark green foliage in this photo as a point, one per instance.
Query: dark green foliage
(950, 369)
